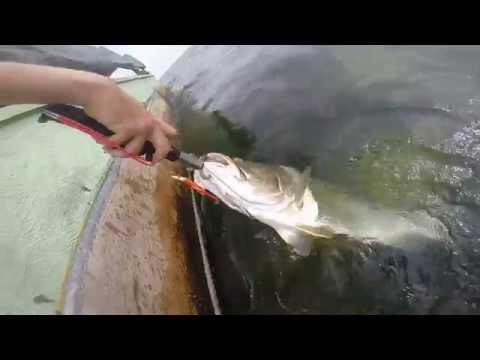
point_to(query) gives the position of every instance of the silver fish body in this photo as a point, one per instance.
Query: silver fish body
(277, 196)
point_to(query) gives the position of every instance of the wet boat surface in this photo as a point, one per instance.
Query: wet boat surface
(141, 254)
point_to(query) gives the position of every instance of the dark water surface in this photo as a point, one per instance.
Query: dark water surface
(392, 134)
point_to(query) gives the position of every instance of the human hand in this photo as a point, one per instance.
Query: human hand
(128, 118)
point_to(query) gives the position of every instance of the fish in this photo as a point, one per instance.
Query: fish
(275, 195)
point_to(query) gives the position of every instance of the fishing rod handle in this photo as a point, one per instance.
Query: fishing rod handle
(79, 115)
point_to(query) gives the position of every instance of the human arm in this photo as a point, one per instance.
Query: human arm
(100, 97)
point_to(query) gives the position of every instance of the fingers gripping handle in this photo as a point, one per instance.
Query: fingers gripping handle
(79, 116)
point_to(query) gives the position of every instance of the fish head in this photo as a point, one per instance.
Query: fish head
(254, 189)
(225, 178)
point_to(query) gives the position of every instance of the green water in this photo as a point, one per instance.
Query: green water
(393, 139)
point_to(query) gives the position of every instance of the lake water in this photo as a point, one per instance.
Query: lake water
(392, 135)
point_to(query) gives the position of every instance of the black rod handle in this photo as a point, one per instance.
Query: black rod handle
(80, 116)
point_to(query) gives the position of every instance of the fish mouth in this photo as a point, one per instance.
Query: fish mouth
(219, 158)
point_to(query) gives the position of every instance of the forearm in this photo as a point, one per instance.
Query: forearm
(102, 99)
(33, 84)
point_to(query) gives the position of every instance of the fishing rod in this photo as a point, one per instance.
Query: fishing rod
(76, 118)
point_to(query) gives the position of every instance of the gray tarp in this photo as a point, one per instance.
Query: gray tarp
(81, 57)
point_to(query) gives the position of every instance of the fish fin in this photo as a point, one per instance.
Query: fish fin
(302, 245)
(307, 176)
(302, 182)
(309, 207)
(323, 231)
(307, 173)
